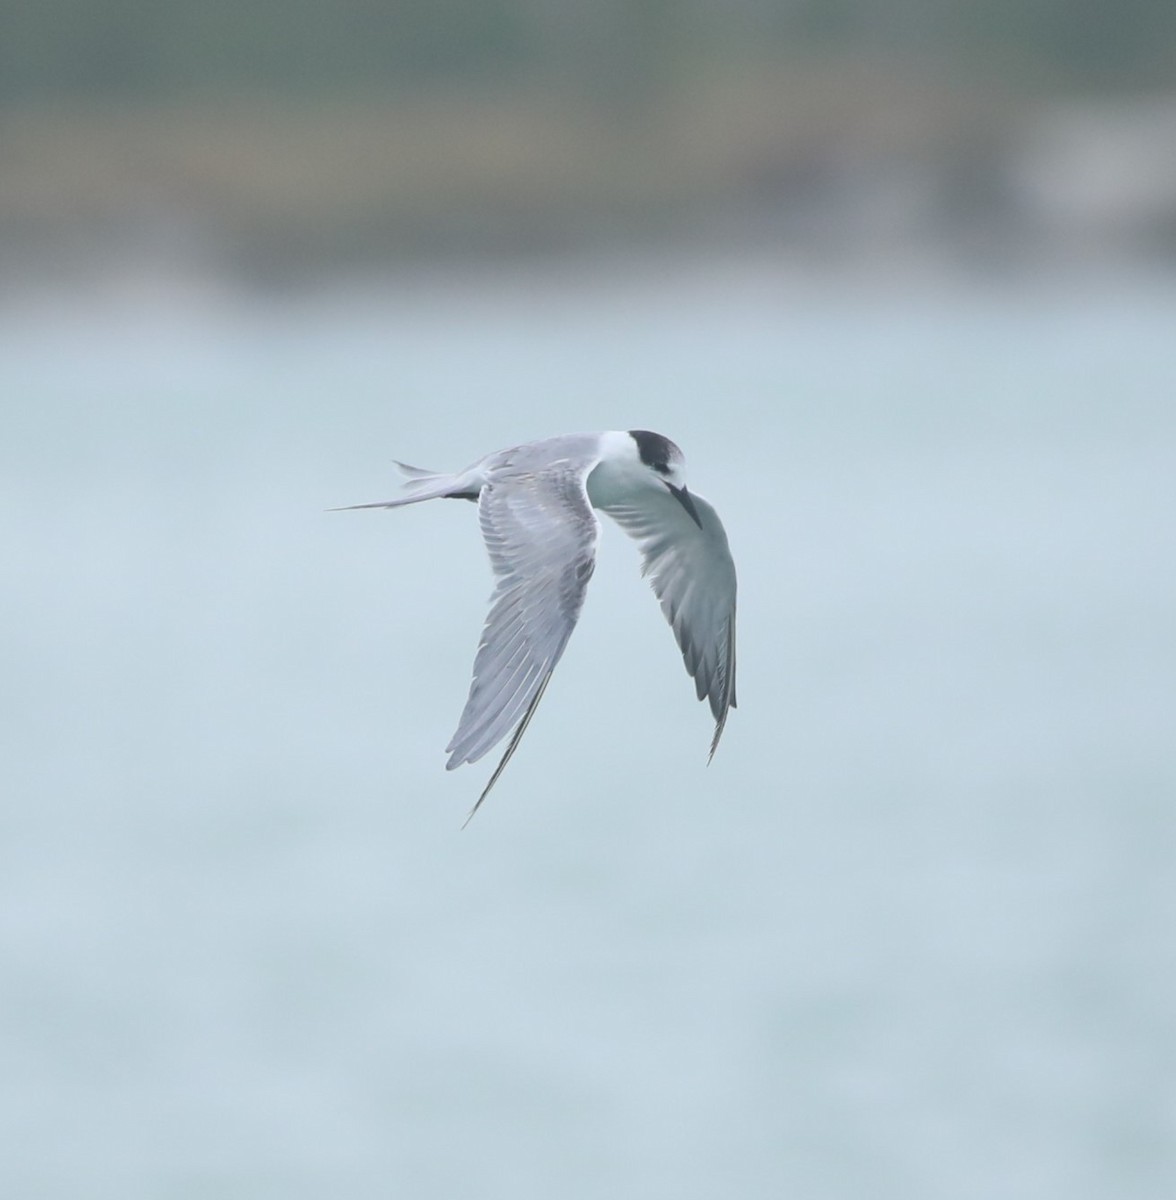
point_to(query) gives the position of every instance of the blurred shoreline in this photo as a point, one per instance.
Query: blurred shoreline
(819, 167)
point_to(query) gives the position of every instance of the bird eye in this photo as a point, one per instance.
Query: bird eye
(662, 468)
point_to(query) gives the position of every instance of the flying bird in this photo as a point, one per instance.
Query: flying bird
(535, 507)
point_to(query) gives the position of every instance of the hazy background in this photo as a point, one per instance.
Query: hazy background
(279, 142)
(900, 282)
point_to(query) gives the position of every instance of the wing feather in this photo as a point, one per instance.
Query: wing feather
(693, 577)
(540, 533)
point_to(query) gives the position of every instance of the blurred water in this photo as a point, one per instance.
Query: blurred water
(909, 936)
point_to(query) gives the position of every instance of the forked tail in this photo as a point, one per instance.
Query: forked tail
(419, 485)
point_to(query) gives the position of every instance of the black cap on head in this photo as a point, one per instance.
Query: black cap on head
(654, 450)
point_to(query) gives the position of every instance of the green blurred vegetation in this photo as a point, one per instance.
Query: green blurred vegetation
(143, 49)
(293, 137)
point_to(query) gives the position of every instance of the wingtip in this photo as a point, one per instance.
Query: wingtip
(486, 789)
(720, 725)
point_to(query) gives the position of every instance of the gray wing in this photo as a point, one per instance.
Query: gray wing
(541, 533)
(693, 575)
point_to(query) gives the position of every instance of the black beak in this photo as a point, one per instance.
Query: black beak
(685, 499)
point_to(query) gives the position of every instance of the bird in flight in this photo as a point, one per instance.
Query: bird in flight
(535, 507)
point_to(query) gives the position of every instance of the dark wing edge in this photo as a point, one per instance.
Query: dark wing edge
(513, 744)
(693, 577)
(540, 533)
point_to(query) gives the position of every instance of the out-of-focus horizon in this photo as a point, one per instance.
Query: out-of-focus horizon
(277, 143)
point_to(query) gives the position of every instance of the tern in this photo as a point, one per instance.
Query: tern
(535, 507)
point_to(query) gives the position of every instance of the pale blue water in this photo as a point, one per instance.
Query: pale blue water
(910, 936)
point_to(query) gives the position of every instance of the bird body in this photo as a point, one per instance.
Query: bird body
(535, 507)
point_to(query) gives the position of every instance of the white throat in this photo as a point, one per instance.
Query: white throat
(620, 475)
